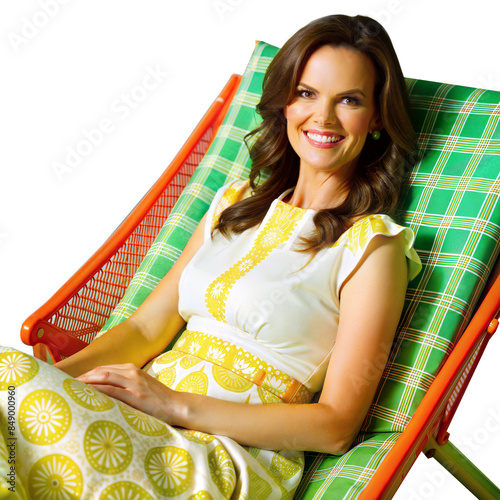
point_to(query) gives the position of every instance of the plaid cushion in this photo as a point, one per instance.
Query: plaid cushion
(344, 476)
(451, 205)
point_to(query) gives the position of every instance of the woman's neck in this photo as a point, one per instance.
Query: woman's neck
(317, 192)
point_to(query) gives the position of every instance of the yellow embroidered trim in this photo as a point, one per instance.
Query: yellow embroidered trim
(360, 233)
(277, 230)
(244, 364)
(237, 191)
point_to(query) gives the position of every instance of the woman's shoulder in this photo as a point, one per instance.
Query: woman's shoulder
(228, 195)
(236, 191)
(358, 237)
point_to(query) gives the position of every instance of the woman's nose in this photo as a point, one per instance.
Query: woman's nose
(325, 113)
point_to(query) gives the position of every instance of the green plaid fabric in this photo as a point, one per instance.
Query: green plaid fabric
(351, 471)
(450, 202)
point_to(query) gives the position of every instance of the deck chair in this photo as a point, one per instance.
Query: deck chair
(450, 202)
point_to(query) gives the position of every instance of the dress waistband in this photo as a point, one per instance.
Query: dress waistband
(243, 363)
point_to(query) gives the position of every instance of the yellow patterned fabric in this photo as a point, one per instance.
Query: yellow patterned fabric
(237, 191)
(277, 230)
(65, 440)
(199, 361)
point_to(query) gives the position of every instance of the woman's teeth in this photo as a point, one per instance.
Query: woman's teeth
(324, 138)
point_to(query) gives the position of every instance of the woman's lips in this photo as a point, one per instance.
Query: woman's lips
(323, 139)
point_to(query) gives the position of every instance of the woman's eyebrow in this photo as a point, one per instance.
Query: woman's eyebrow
(307, 87)
(352, 91)
(345, 92)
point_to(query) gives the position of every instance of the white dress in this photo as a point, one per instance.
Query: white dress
(261, 325)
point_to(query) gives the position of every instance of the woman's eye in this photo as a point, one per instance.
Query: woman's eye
(352, 101)
(307, 94)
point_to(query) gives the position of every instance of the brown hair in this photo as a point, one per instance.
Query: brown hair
(380, 169)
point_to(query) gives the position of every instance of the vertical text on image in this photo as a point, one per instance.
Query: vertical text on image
(11, 440)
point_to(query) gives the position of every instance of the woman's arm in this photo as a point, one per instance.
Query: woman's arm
(146, 332)
(371, 305)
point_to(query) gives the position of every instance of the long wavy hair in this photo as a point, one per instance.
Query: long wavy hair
(375, 186)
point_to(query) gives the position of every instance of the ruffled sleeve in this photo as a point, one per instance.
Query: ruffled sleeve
(355, 242)
(226, 196)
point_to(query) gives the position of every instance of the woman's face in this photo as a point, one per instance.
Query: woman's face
(333, 110)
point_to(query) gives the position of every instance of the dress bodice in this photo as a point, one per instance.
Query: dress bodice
(256, 290)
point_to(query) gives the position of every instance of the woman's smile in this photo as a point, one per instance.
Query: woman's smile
(323, 139)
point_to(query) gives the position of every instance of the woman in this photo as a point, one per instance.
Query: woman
(287, 288)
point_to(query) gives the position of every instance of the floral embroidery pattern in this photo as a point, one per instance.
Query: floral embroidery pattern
(222, 470)
(125, 490)
(235, 369)
(359, 235)
(107, 447)
(237, 191)
(87, 396)
(276, 231)
(142, 422)
(169, 469)
(55, 476)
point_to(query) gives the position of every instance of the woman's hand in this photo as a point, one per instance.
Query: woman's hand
(135, 387)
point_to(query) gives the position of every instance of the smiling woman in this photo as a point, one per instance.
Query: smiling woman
(202, 420)
(361, 100)
(329, 119)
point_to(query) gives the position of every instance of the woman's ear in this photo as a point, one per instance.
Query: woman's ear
(375, 124)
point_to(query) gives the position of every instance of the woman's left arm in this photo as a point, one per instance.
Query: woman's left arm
(370, 307)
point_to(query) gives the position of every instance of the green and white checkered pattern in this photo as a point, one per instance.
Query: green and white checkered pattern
(451, 203)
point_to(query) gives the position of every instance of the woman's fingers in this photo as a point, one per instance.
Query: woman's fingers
(119, 393)
(132, 386)
(111, 374)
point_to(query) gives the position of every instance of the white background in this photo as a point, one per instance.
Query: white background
(63, 73)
